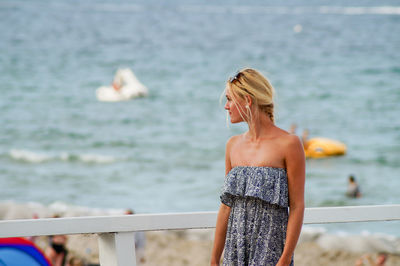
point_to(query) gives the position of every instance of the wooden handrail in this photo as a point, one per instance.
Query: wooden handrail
(116, 233)
(174, 221)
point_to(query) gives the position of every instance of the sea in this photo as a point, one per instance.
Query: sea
(335, 66)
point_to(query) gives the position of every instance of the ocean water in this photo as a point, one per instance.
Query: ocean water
(335, 67)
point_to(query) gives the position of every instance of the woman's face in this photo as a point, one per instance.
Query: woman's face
(234, 107)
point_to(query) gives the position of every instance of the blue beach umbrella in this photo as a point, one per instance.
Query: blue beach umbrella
(19, 251)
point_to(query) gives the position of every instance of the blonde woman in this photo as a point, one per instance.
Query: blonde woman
(265, 175)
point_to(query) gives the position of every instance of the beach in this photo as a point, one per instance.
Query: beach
(316, 245)
(193, 247)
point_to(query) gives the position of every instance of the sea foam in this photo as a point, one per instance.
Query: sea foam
(40, 157)
(340, 10)
(29, 156)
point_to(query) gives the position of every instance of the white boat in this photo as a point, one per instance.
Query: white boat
(125, 87)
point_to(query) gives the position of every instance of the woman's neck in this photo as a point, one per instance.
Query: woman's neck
(259, 127)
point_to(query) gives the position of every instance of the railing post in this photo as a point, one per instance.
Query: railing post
(117, 249)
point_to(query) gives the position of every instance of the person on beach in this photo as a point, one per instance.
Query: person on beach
(304, 139)
(265, 174)
(56, 252)
(304, 136)
(140, 242)
(74, 261)
(33, 238)
(367, 260)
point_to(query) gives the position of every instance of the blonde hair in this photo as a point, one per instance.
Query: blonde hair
(250, 82)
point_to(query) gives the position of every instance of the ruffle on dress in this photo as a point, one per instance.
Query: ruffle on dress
(266, 183)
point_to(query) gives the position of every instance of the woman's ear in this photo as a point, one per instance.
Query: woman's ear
(249, 100)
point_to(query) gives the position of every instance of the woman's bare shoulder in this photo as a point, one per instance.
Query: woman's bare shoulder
(288, 140)
(292, 146)
(291, 141)
(233, 140)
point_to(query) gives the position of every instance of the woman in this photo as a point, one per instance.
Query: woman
(265, 174)
(56, 251)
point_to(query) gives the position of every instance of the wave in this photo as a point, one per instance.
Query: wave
(28, 156)
(242, 9)
(378, 10)
(116, 7)
(381, 10)
(37, 157)
(119, 7)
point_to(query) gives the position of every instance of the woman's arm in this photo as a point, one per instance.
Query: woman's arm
(220, 234)
(223, 214)
(295, 165)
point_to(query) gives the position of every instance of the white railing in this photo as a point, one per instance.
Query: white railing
(116, 233)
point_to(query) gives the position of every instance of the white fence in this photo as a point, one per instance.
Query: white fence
(116, 233)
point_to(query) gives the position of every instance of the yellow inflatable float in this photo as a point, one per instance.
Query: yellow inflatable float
(324, 147)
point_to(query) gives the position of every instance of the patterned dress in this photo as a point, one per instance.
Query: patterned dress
(258, 197)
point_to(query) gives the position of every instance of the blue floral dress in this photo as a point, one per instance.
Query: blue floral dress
(258, 197)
